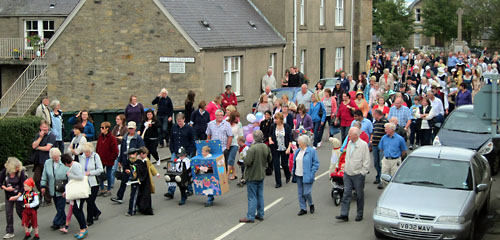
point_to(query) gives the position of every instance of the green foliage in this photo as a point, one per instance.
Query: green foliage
(440, 19)
(494, 24)
(392, 22)
(17, 135)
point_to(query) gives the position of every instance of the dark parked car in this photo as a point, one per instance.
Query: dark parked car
(463, 129)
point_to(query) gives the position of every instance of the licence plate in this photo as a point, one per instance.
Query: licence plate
(415, 227)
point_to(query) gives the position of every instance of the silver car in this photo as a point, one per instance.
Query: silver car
(437, 193)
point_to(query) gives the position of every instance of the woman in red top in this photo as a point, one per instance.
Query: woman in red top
(229, 98)
(381, 105)
(345, 114)
(213, 106)
(107, 148)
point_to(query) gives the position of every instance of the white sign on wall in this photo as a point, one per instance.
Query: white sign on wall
(177, 67)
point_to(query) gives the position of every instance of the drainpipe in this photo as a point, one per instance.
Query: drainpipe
(295, 33)
(352, 33)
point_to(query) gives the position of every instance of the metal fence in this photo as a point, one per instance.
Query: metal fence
(15, 48)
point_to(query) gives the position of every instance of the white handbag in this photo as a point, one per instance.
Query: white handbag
(78, 189)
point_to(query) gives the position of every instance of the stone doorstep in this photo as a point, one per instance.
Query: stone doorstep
(30, 167)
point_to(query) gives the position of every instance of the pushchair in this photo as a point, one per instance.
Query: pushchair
(337, 180)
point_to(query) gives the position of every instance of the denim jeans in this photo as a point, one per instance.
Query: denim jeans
(109, 178)
(358, 183)
(60, 204)
(317, 134)
(233, 150)
(344, 131)
(113, 170)
(163, 130)
(255, 195)
(304, 191)
(377, 158)
(210, 198)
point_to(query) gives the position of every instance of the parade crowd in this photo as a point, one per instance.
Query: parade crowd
(390, 108)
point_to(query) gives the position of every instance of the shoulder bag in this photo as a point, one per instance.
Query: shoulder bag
(59, 184)
(78, 189)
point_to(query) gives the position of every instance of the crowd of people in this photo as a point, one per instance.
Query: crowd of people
(399, 98)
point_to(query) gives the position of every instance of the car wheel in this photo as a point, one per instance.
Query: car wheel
(378, 234)
(472, 231)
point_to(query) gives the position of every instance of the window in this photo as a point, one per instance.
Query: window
(232, 72)
(272, 63)
(339, 13)
(417, 15)
(322, 13)
(339, 58)
(302, 60)
(416, 40)
(302, 12)
(44, 29)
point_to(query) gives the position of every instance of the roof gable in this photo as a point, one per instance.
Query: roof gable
(36, 7)
(228, 20)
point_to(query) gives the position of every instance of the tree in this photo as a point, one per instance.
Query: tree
(494, 25)
(440, 19)
(477, 18)
(392, 22)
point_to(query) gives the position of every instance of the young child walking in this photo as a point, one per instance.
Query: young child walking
(183, 165)
(30, 203)
(243, 153)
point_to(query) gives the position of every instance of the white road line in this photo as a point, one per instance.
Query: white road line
(241, 224)
(323, 174)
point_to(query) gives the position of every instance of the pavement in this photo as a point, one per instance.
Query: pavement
(194, 221)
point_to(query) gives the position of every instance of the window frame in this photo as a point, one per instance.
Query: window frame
(340, 13)
(40, 30)
(302, 13)
(418, 16)
(302, 63)
(229, 70)
(415, 37)
(322, 13)
(339, 58)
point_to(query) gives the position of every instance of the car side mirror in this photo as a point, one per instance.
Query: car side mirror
(386, 177)
(481, 187)
(438, 125)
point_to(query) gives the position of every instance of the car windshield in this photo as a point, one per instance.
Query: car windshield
(466, 122)
(330, 82)
(290, 94)
(433, 172)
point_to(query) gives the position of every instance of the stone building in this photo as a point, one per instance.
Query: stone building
(418, 39)
(323, 30)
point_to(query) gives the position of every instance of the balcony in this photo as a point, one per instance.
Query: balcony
(14, 50)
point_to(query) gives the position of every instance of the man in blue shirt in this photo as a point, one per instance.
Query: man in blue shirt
(393, 147)
(402, 113)
(452, 61)
(366, 125)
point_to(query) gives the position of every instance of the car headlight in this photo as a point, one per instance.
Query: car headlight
(486, 148)
(451, 219)
(386, 212)
(436, 141)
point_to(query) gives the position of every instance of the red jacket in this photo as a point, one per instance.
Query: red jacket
(345, 114)
(229, 100)
(107, 148)
(211, 108)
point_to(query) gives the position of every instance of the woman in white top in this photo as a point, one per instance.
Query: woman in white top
(305, 166)
(233, 151)
(76, 145)
(92, 167)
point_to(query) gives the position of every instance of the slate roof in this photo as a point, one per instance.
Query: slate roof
(228, 21)
(36, 7)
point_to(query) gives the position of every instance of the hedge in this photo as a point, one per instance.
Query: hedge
(16, 137)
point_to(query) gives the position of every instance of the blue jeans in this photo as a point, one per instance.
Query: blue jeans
(377, 157)
(60, 204)
(109, 177)
(163, 130)
(255, 194)
(233, 150)
(210, 198)
(113, 170)
(358, 183)
(304, 191)
(318, 134)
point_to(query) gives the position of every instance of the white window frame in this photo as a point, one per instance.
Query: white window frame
(40, 30)
(303, 60)
(339, 13)
(417, 39)
(339, 58)
(322, 13)
(272, 63)
(302, 12)
(231, 68)
(418, 15)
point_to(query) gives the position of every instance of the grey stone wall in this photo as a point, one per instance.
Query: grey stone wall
(9, 74)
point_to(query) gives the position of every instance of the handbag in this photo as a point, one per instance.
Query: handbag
(60, 184)
(78, 189)
(102, 176)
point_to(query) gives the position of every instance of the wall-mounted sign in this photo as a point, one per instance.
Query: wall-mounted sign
(177, 59)
(177, 67)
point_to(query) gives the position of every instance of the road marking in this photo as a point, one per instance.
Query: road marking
(323, 174)
(241, 224)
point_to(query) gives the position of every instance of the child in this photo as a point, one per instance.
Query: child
(183, 165)
(205, 152)
(335, 153)
(138, 171)
(243, 153)
(30, 202)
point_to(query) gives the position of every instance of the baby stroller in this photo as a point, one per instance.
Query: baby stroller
(337, 180)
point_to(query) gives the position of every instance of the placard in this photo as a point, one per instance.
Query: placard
(177, 67)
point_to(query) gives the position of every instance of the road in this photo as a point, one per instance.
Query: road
(194, 221)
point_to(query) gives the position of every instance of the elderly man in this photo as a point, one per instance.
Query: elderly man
(402, 113)
(165, 111)
(219, 129)
(42, 144)
(378, 133)
(304, 97)
(43, 110)
(393, 147)
(268, 80)
(357, 164)
(256, 160)
(386, 81)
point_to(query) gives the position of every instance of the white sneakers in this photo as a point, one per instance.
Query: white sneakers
(8, 235)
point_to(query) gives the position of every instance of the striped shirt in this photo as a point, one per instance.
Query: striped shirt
(378, 131)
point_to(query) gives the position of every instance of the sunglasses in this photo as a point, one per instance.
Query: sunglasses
(103, 127)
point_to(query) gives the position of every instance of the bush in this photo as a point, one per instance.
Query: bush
(16, 137)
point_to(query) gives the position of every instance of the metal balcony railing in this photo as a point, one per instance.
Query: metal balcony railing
(15, 48)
